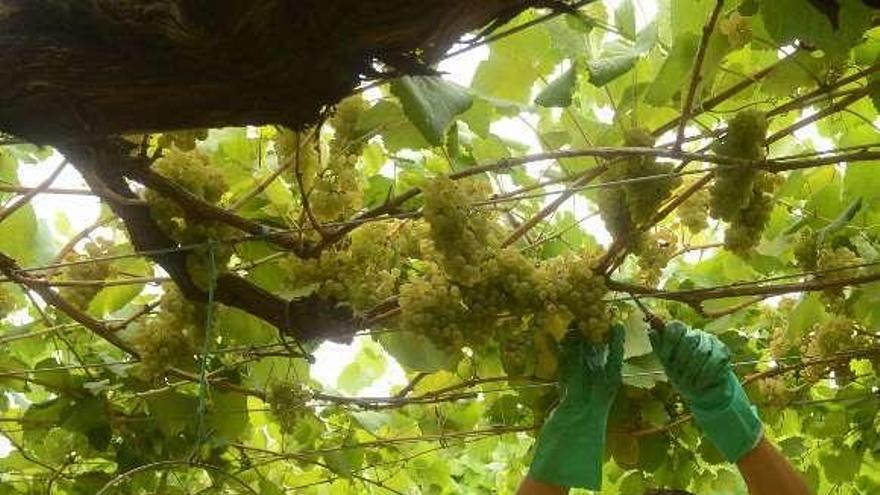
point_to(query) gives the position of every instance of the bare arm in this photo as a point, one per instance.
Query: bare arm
(767, 472)
(530, 486)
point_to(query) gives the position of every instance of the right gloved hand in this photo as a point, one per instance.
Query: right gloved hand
(698, 365)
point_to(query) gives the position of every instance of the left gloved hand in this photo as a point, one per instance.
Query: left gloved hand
(571, 445)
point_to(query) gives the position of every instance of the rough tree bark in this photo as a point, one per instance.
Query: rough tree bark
(76, 68)
(77, 73)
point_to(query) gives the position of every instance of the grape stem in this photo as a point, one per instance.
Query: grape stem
(697, 73)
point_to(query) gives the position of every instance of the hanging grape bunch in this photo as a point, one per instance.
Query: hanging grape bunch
(832, 259)
(338, 188)
(170, 337)
(288, 404)
(623, 207)
(741, 194)
(581, 292)
(81, 296)
(7, 302)
(655, 251)
(363, 271)
(517, 349)
(193, 171)
(694, 212)
(644, 197)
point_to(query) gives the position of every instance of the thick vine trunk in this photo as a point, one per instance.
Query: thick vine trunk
(75, 73)
(75, 68)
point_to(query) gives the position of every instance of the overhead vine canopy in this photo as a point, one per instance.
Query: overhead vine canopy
(718, 160)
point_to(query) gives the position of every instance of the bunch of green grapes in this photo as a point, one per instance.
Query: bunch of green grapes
(581, 292)
(623, 207)
(614, 210)
(170, 337)
(338, 188)
(517, 350)
(827, 339)
(655, 252)
(462, 235)
(193, 171)
(806, 250)
(694, 212)
(643, 198)
(7, 302)
(509, 283)
(737, 28)
(362, 271)
(733, 188)
(288, 404)
(774, 391)
(836, 264)
(432, 305)
(748, 224)
(81, 296)
(182, 140)
(302, 149)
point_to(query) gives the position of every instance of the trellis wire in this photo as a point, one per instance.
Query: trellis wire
(206, 346)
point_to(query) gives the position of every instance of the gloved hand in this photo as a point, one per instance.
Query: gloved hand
(571, 446)
(698, 365)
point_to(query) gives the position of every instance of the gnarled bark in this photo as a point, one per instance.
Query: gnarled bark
(76, 68)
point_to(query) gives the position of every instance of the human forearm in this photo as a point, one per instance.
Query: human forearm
(767, 472)
(530, 486)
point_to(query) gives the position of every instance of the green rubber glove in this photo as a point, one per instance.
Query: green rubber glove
(571, 446)
(698, 365)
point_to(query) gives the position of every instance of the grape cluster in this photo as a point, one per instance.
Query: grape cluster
(579, 290)
(431, 305)
(192, 170)
(655, 251)
(623, 207)
(171, 336)
(834, 264)
(694, 212)
(741, 195)
(182, 140)
(517, 350)
(827, 339)
(7, 302)
(338, 189)
(362, 271)
(644, 197)
(288, 404)
(806, 250)
(302, 149)
(748, 224)
(774, 391)
(81, 296)
(737, 28)
(461, 234)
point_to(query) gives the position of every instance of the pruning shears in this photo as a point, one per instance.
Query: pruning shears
(655, 322)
